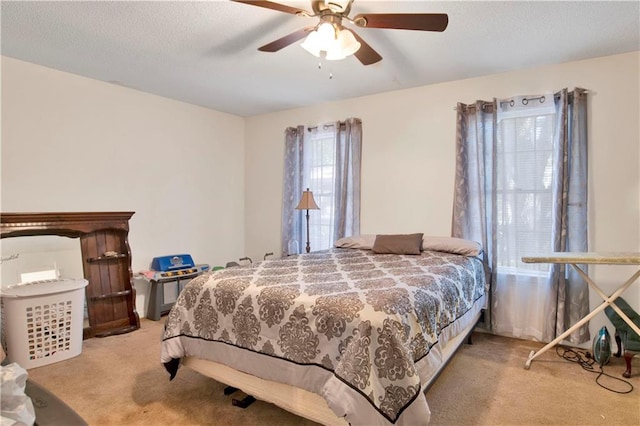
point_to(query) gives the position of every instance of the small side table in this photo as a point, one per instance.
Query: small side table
(157, 306)
(596, 258)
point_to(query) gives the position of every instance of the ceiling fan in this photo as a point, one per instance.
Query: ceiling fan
(331, 40)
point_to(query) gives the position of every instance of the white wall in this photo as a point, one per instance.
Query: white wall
(71, 143)
(408, 158)
(210, 184)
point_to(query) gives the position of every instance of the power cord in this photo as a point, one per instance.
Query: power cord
(586, 361)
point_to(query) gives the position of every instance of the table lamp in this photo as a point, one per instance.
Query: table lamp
(307, 203)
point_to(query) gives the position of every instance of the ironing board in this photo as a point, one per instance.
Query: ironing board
(597, 258)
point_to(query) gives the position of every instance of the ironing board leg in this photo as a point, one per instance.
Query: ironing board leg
(608, 301)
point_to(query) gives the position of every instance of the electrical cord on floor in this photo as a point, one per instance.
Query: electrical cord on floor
(585, 360)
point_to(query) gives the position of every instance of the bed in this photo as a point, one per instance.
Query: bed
(342, 336)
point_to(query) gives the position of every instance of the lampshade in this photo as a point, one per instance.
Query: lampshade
(307, 202)
(312, 43)
(335, 42)
(322, 39)
(345, 45)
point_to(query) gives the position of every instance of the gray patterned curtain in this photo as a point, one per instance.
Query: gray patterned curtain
(292, 219)
(475, 214)
(570, 291)
(347, 179)
(474, 197)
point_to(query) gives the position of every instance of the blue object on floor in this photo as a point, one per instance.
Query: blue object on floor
(602, 346)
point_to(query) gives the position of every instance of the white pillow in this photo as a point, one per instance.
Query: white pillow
(364, 242)
(452, 245)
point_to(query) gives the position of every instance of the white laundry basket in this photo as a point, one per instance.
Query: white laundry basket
(42, 321)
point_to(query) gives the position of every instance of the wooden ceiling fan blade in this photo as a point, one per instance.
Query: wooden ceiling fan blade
(274, 6)
(285, 41)
(404, 21)
(366, 54)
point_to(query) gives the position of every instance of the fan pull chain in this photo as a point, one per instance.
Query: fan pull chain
(320, 67)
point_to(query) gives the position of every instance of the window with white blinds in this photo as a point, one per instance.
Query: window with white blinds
(524, 174)
(319, 177)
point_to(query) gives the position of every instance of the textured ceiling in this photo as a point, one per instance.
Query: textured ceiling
(205, 53)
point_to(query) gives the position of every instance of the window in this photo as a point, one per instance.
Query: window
(524, 173)
(325, 159)
(318, 175)
(521, 190)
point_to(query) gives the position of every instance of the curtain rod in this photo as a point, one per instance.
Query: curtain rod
(326, 126)
(525, 101)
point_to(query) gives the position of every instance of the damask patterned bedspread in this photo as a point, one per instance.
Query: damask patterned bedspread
(366, 318)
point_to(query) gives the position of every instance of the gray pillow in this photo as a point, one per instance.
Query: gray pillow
(398, 244)
(357, 242)
(452, 245)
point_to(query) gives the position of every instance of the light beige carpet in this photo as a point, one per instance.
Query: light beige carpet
(119, 380)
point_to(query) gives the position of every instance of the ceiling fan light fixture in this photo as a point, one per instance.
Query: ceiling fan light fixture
(331, 42)
(345, 45)
(331, 14)
(322, 39)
